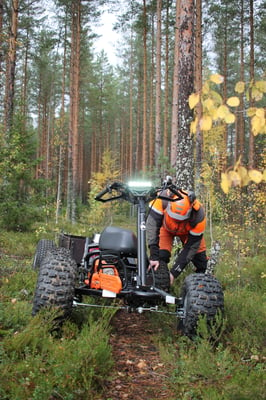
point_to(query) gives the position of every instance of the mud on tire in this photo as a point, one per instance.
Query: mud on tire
(202, 295)
(43, 246)
(56, 281)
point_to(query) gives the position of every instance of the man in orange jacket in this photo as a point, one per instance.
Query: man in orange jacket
(183, 218)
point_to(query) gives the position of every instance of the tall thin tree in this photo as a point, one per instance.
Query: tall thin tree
(11, 67)
(158, 81)
(144, 129)
(174, 126)
(198, 86)
(73, 136)
(166, 85)
(185, 159)
(251, 78)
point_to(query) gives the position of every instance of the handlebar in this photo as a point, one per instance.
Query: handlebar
(119, 190)
(115, 186)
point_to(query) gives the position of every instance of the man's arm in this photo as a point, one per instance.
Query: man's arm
(186, 254)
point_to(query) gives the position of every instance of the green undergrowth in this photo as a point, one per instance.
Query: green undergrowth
(231, 366)
(42, 362)
(41, 359)
(72, 360)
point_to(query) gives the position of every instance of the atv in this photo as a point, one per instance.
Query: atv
(114, 265)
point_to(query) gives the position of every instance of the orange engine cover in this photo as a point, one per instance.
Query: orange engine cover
(105, 277)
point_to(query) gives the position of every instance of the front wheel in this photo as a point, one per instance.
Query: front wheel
(159, 278)
(202, 295)
(162, 277)
(56, 281)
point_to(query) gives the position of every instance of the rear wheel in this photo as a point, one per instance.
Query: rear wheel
(56, 281)
(202, 295)
(43, 246)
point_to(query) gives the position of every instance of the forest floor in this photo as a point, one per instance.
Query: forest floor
(138, 371)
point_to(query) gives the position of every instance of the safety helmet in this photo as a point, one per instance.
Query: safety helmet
(179, 209)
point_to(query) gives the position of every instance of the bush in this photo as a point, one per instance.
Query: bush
(41, 365)
(233, 367)
(18, 217)
(39, 362)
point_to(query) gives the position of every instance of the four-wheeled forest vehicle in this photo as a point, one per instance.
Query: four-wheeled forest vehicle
(114, 265)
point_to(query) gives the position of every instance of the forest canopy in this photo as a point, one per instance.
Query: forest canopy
(187, 97)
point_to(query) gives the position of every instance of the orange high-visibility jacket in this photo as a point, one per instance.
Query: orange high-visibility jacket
(166, 214)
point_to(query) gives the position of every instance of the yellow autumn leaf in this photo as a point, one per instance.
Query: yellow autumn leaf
(193, 100)
(222, 111)
(240, 87)
(245, 180)
(216, 97)
(257, 125)
(261, 85)
(193, 126)
(242, 172)
(217, 78)
(260, 112)
(237, 164)
(251, 111)
(230, 118)
(225, 183)
(234, 178)
(264, 175)
(205, 123)
(255, 175)
(233, 101)
(256, 94)
(205, 88)
(208, 104)
(214, 114)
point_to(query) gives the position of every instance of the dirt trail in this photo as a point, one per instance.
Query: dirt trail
(138, 372)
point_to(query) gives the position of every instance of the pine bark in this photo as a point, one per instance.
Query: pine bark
(240, 122)
(144, 130)
(166, 85)
(151, 146)
(158, 82)
(73, 137)
(251, 78)
(11, 67)
(174, 126)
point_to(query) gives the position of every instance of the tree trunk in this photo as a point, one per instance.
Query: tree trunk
(131, 162)
(225, 129)
(73, 138)
(158, 83)
(174, 128)
(184, 160)
(11, 67)
(251, 78)
(144, 131)
(25, 79)
(166, 85)
(198, 86)
(138, 148)
(1, 35)
(152, 157)
(240, 125)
